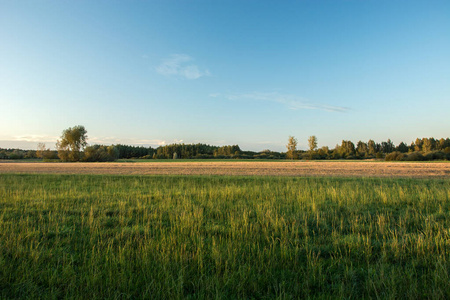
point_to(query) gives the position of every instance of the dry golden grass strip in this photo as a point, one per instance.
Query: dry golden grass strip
(275, 168)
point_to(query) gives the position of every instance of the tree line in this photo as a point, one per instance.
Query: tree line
(420, 149)
(73, 146)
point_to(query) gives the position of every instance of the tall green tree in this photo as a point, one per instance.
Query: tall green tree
(362, 149)
(418, 145)
(427, 144)
(387, 147)
(312, 141)
(347, 148)
(372, 147)
(72, 143)
(291, 148)
(402, 147)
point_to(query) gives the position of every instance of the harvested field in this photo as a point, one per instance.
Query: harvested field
(276, 168)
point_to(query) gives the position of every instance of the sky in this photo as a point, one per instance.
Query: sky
(222, 72)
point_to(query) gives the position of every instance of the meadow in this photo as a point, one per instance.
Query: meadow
(223, 237)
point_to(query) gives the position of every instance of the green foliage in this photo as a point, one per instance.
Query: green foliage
(100, 153)
(72, 143)
(402, 147)
(362, 150)
(17, 154)
(291, 146)
(323, 153)
(186, 151)
(443, 144)
(418, 145)
(266, 154)
(435, 155)
(126, 151)
(40, 150)
(142, 237)
(346, 149)
(312, 154)
(45, 153)
(312, 142)
(428, 145)
(387, 147)
(414, 156)
(373, 148)
(227, 151)
(396, 155)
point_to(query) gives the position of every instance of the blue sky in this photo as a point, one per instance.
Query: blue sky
(224, 72)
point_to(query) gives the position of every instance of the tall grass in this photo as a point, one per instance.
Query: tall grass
(123, 237)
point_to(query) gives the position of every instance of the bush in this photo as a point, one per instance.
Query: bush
(379, 155)
(395, 156)
(16, 154)
(414, 156)
(49, 155)
(435, 155)
(100, 153)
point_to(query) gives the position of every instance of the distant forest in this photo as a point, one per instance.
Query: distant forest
(422, 149)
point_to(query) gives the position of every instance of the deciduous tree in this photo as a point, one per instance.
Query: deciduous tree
(72, 143)
(362, 149)
(312, 141)
(291, 148)
(40, 150)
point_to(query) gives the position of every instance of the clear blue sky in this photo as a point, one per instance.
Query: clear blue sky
(224, 72)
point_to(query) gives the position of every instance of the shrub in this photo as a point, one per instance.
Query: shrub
(395, 156)
(100, 153)
(435, 155)
(414, 156)
(16, 154)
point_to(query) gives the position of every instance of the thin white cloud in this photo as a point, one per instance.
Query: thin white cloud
(36, 138)
(131, 141)
(291, 101)
(105, 140)
(180, 65)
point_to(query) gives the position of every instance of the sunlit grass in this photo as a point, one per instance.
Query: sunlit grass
(157, 237)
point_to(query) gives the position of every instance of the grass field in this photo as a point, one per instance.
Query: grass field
(173, 237)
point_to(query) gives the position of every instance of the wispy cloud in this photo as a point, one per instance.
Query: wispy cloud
(105, 140)
(180, 65)
(131, 141)
(291, 101)
(35, 138)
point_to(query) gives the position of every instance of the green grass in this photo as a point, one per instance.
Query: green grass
(175, 237)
